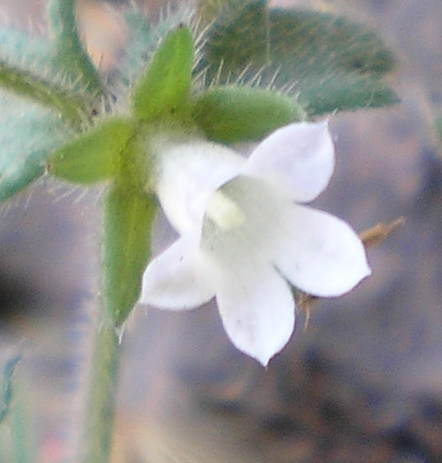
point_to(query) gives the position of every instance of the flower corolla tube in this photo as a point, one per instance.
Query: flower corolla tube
(245, 235)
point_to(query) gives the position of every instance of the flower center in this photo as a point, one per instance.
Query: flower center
(241, 224)
(223, 211)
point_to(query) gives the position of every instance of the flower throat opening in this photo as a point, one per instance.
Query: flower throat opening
(223, 211)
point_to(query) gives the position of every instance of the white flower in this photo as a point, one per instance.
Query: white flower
(242, 236)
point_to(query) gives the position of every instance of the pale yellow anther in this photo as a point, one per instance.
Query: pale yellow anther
(223, 211)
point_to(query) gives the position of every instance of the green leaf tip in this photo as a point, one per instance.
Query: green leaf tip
(70, 55)
(128, 219)
(346, 92)
(233, 114)
(165, 87)
(6, 386)
(95, 155)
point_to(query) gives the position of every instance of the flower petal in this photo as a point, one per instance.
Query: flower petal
(298, 158)
(187, 175)
(319, 253)
(179, 278)
(257, 310)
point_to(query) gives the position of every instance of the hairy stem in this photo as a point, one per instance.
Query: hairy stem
(73, 108)
(96, 445)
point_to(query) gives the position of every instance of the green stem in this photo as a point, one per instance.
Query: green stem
(97, 440)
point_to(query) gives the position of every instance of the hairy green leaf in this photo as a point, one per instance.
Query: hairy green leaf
(300, 50)
(72, 108)
(343, 91)
(239, 114)
(329, 41)
(28, 133)
(165, 87)
(27, 68)
(95, 155)
(237, 39)
(128, 218)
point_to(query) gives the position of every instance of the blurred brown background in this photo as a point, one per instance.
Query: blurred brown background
(363, 383)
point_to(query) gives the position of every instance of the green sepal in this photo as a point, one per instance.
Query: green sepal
(95, 155)
(6, 386)
(234, 114)
(300, 50)
(128, 219)
(143, 42)
(165, 87)
(28, 134)
(70, 56)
